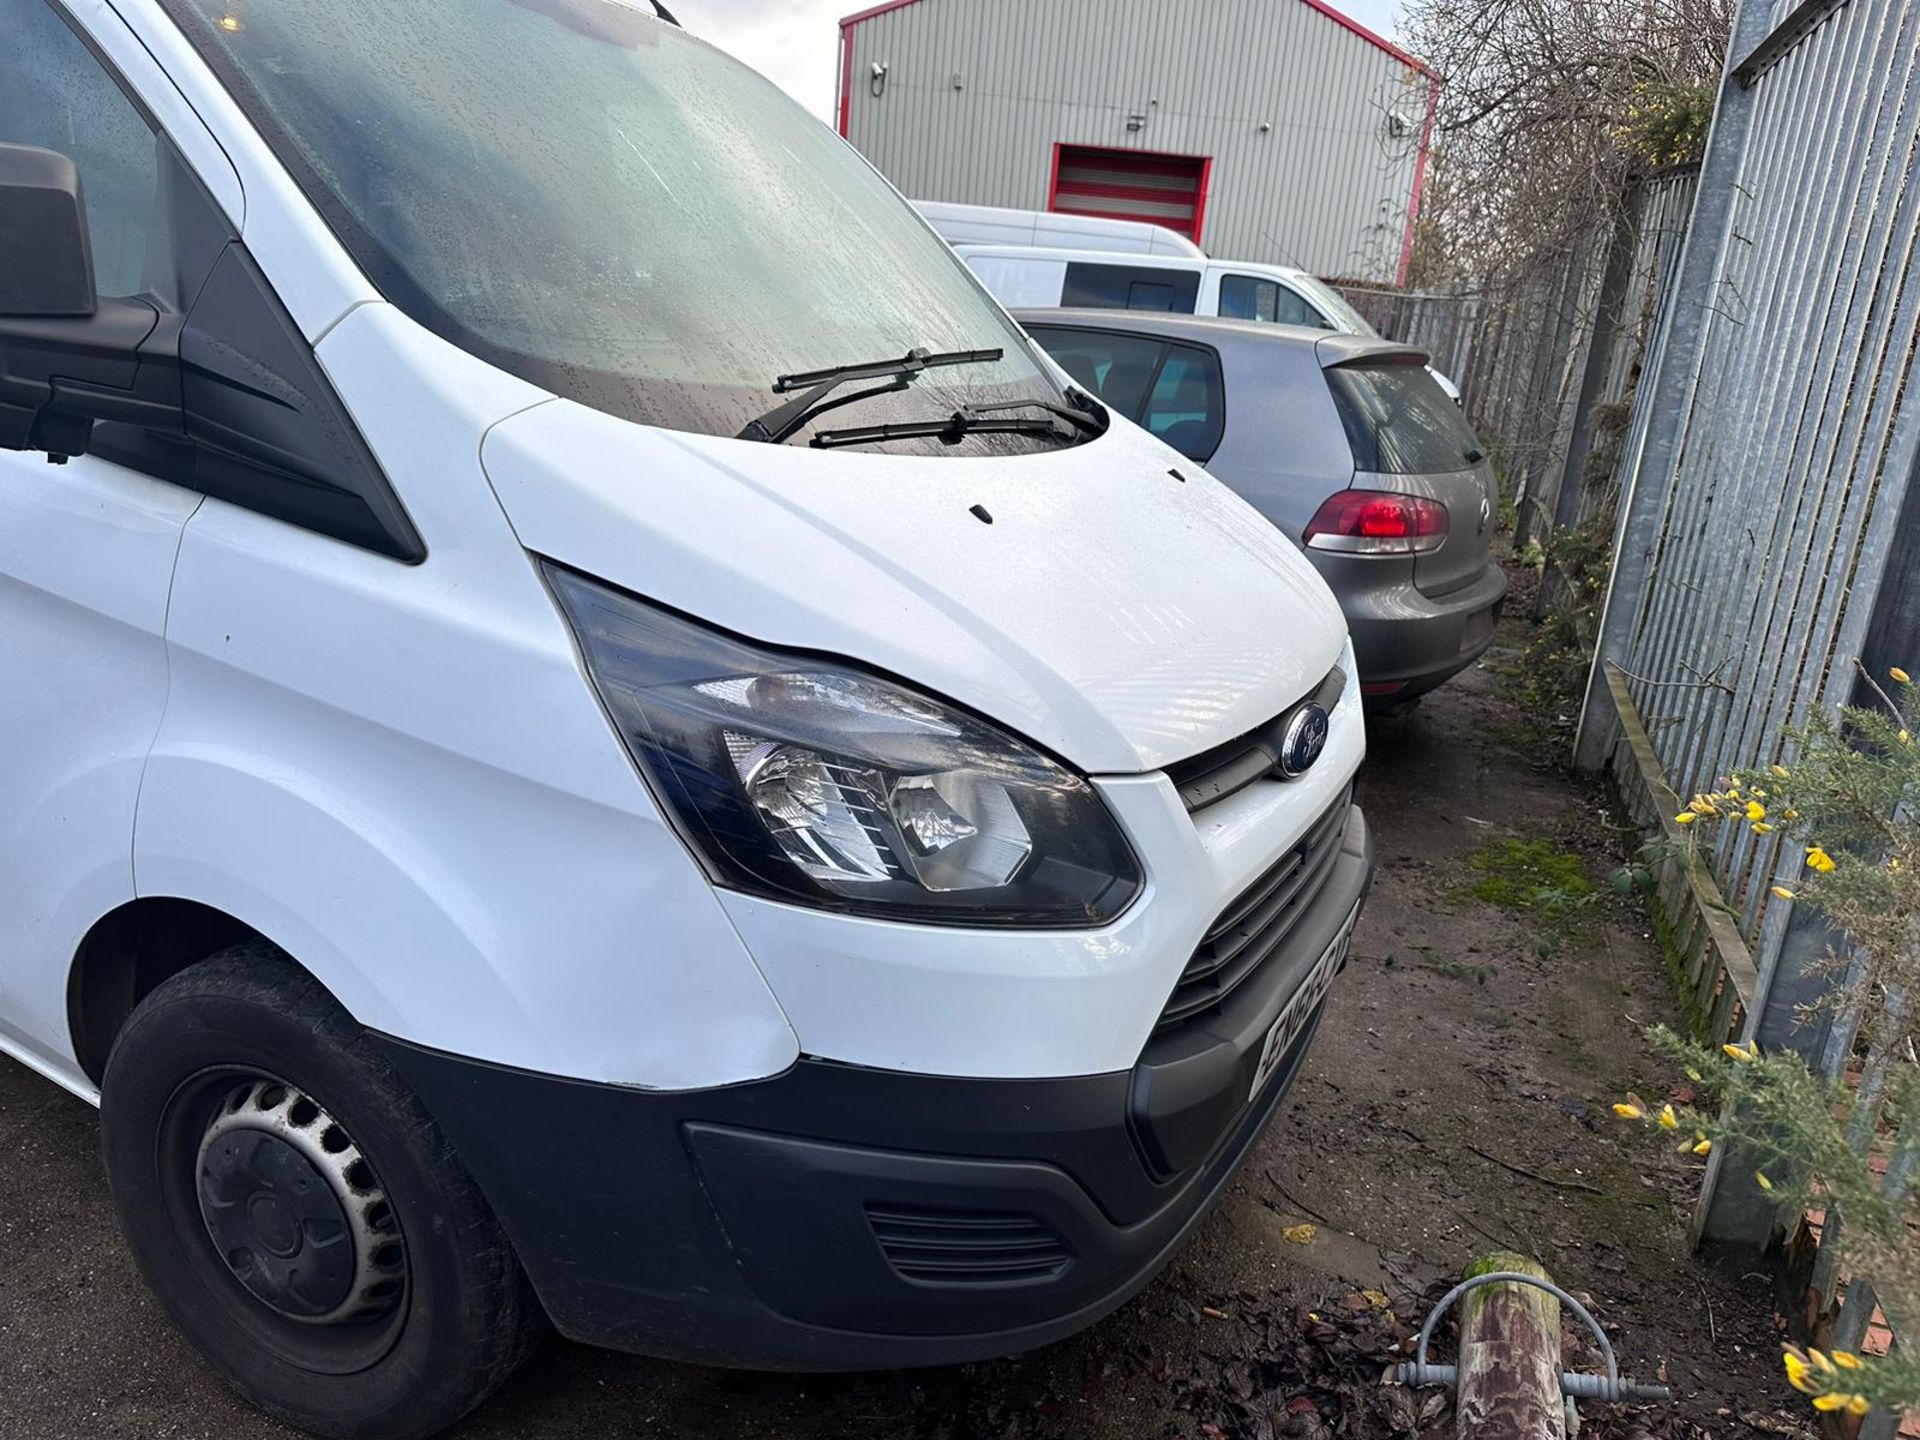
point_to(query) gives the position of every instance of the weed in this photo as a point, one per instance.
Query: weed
(1529, 876)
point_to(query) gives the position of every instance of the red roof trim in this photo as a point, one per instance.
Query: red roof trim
(1419, 180)
(845, 108)
(853, 20)
(1345, 21)
(1405, 57)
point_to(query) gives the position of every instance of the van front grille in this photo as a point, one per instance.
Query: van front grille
(1213, 775)
(1257, 924)
(965, 1247)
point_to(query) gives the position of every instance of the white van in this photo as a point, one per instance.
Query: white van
(1025, 277)
(959, 224)
(590, 738)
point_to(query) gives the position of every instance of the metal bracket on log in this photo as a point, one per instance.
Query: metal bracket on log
(1611, 1386)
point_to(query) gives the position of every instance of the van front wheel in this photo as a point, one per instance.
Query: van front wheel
(299, 1214)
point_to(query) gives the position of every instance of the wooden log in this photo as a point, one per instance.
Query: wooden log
(1510, 1358)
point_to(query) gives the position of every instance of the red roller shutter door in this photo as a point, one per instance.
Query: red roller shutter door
(1169, 190)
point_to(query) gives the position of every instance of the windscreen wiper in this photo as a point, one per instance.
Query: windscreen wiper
(953, 429)
(1088, 420)
(780, 422)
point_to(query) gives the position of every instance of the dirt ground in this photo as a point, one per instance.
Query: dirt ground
(1457, 1100)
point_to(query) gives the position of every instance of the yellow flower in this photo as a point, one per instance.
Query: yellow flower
(1858, 1405)
(1846, 1359)
(1780, 892)
(1820, 1362)
(1758, 793)
(1742, 1053)
(1832, 1400)
(1685, 817)
(1760, 827)
(1701, 805)
(1789, 814)
(1760, 1179)
(1819, 859)
(1799, 1373)
(1628, 1111)
(1905, 738)
(1893, 865)
(1756, 811)
(1703, 1147)
(1780, 772)
(1668, 1120)
(1900, 676)
(1694, 1075)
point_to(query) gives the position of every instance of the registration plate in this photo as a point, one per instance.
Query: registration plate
(1479, 629)
(1286, 1030)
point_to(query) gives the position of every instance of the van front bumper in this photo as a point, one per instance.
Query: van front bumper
(840, 1217)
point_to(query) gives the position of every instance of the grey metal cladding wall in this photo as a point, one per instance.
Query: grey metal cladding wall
(1327, 188)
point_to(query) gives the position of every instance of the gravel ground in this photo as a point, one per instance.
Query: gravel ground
(1456, 1101)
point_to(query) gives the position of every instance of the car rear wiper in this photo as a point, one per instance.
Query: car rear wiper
(953, 429)
(780, 422)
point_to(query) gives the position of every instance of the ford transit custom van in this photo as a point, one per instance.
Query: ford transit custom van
(591, 738)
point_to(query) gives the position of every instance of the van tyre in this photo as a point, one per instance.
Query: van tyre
(299, 1214)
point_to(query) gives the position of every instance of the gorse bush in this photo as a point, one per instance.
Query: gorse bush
(1847, 799)
(1797, 1132)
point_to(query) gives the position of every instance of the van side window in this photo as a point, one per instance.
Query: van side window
(1250, 297)
(1187, 407)
(55, 95)
(1294, 310)
(1247, 297)
(1117, 368)
(1129, 287)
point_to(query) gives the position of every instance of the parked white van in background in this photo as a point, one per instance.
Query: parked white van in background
(1026, 277)
(589, 734)
(991, 225)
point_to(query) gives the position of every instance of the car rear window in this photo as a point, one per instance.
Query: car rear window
(1400, 422)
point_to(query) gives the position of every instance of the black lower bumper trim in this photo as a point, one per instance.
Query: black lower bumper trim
(836, 1217)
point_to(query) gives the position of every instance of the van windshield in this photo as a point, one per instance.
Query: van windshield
(1335, 305)
(586, 196)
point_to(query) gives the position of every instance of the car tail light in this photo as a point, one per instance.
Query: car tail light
(1377, 522)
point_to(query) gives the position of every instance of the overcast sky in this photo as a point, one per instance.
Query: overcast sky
(795, 43)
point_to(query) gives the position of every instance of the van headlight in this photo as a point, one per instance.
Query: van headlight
(807, 780)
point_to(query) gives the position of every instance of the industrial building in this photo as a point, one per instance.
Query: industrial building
(1276, 130)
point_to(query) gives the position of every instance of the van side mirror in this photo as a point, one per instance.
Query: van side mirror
(46, 263)
(69, 358)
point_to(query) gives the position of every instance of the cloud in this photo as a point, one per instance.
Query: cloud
(794, 43)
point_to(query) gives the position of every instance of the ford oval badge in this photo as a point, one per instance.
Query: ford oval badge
(1305, 738)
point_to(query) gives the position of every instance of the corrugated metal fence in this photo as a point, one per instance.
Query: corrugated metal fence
(1765, 485)
(1761, 312)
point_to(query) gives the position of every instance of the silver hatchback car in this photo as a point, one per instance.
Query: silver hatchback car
(1345, 442)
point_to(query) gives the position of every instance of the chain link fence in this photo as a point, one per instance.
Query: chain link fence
(1546, 357)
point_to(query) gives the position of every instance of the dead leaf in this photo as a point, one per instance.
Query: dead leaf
(1300, 1234)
